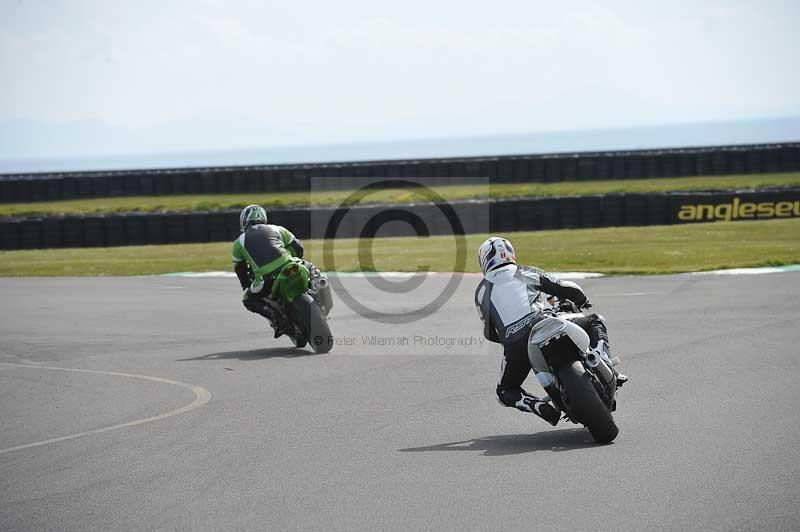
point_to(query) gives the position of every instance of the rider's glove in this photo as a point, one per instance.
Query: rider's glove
(567, 306)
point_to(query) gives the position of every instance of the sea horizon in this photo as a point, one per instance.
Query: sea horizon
(672, 136)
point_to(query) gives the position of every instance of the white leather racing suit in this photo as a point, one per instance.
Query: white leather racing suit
(510, 300)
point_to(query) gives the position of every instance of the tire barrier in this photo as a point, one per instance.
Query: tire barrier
(721, 160)
(500, 216)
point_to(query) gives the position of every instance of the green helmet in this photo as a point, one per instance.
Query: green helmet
(251, 215)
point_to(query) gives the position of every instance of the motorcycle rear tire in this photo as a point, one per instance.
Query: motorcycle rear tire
(587, 407)
(312, 322)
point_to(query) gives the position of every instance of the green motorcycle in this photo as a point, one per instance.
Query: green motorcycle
(301, 300)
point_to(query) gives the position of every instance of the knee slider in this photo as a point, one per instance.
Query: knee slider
(508, 396)
(253, 306)
(597, 318)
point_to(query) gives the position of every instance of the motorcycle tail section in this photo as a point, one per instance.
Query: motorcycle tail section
(291, 281)
(560, 340)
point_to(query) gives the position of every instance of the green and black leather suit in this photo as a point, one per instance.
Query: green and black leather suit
(258, 255)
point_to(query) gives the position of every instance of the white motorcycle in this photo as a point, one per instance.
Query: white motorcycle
(559, 354)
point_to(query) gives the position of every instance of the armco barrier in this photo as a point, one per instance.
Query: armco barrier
(720, 160)
(401, 220)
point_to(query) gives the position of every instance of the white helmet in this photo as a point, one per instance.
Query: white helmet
(495, 252)
(252, 214)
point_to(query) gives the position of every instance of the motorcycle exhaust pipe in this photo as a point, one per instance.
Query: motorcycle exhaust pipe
(325, 296)
(600, 368)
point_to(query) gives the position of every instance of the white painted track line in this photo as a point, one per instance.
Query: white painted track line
(563, 275)
(202, 396)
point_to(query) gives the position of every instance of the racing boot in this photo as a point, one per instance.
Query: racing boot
(546, 411)
(543, 409)
(271, 310)
(553, 396)
(259, 307)
(522, 400)
(279, 326)
(273, 320)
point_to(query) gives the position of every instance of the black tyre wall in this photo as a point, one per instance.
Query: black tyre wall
(719, 160)
(504, 216)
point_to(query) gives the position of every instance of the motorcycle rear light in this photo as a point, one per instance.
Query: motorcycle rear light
(552, 339)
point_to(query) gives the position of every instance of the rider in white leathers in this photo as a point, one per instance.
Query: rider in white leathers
(510, 300)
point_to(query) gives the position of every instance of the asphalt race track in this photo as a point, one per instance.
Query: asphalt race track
(404, 436)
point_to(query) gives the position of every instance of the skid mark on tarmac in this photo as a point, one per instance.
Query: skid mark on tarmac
(202, 396)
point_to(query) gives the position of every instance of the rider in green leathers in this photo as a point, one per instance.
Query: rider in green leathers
(258, 256)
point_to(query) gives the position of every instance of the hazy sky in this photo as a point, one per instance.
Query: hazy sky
(226, 74)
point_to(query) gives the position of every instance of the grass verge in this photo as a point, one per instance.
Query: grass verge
(189, 203)
(620, 250)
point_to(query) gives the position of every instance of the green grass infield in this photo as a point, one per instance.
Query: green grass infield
(621, 250)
